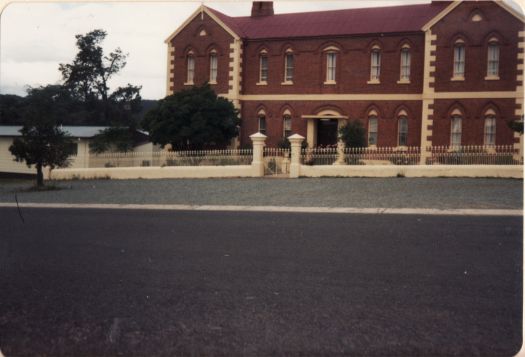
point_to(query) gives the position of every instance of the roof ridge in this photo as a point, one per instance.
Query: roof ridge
(333, 10)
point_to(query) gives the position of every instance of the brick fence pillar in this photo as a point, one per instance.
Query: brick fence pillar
(295, 163)
(258, 140)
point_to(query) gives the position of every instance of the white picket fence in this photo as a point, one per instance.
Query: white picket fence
(436, 155)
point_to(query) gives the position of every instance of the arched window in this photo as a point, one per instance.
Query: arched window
(287, 123)
(493, 58)
(375, 64)
(459, 60)
(263, 67)
(213, 66)
(404, 75)
(402, 129)
(288, 66)
(372, 128)
(262, 121)
(489, 137)
(455, 128)
(190, 65)
(331, 63)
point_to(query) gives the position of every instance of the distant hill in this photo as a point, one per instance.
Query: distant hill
(10, 105)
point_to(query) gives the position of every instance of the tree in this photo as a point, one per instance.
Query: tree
(10, 109)
(353, 134)
(192, 119)
(87, 80)
(43, 143)
(516, 125)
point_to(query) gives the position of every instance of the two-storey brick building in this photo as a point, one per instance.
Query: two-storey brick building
(443, 73)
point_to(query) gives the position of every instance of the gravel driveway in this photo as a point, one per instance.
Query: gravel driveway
(320, 192)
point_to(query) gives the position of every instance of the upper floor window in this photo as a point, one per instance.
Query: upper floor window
(263, 67)
(213, 67)
(331, 58)
(372, 128)
(490, 128)
(190, 64)
(288, 66)
(459, 60)
(402, 130)
(287, 124)
(455, 131)
(404, 75)
(493, 60)
(375, 64)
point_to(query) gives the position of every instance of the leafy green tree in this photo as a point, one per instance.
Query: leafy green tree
(43, 143)
(87, 79)
(194, 118)
(353, 134)
(517, 125)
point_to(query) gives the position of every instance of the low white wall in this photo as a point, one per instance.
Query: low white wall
(503, 171)
(153, 172)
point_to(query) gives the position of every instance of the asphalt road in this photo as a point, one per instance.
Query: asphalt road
(119, 282)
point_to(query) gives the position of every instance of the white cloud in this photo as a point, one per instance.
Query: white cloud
(36, 38)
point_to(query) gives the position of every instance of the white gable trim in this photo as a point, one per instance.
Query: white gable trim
(452, 6)
(441, 15)
(511, 10)
(200, 10)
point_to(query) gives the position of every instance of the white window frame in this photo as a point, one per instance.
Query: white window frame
(375, 65)
(458, 70)
(214, 64)
(405, 63)
(493, 52)
(288, 67)
(287, 125)
(190, 69)
(373, 123)
(456, 130)
(331, 67)
(489, 130)
(261, 122)
(402, 130)
(263, 68)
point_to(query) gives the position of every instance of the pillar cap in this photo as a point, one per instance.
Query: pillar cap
(258, 135)
(295, 137)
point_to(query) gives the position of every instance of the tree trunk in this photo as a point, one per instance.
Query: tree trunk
(39, 175)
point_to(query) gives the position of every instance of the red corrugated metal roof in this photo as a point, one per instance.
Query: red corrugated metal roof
(406, 18)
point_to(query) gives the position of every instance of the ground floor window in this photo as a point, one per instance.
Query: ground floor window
(490, 130)
(372, 130)
(455, 132)
(262, 124)
(402, 130)
(287, 125)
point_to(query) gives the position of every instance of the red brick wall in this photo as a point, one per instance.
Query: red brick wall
(217, 39)
(498, 22)
(387, 123)
(353, 65)
(473, 120)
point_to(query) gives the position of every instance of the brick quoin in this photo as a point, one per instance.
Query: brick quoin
(353, 72)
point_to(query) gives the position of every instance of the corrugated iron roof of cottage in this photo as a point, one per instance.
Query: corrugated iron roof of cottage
(390, 19)
(75, 131)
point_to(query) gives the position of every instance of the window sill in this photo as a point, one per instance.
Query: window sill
(373, 146)
(457, 79)
(492, 78)
(212, 82)
(329, 82)
(401, 148)
(261, 83)
(287, 83)
(403, 81)
(373, 81)
(188, 83)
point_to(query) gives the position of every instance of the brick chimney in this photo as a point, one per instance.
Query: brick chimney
(262, 8)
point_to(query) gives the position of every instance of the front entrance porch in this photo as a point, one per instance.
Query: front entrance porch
(322, 129)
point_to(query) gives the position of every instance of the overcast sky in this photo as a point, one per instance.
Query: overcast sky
(36, 38)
